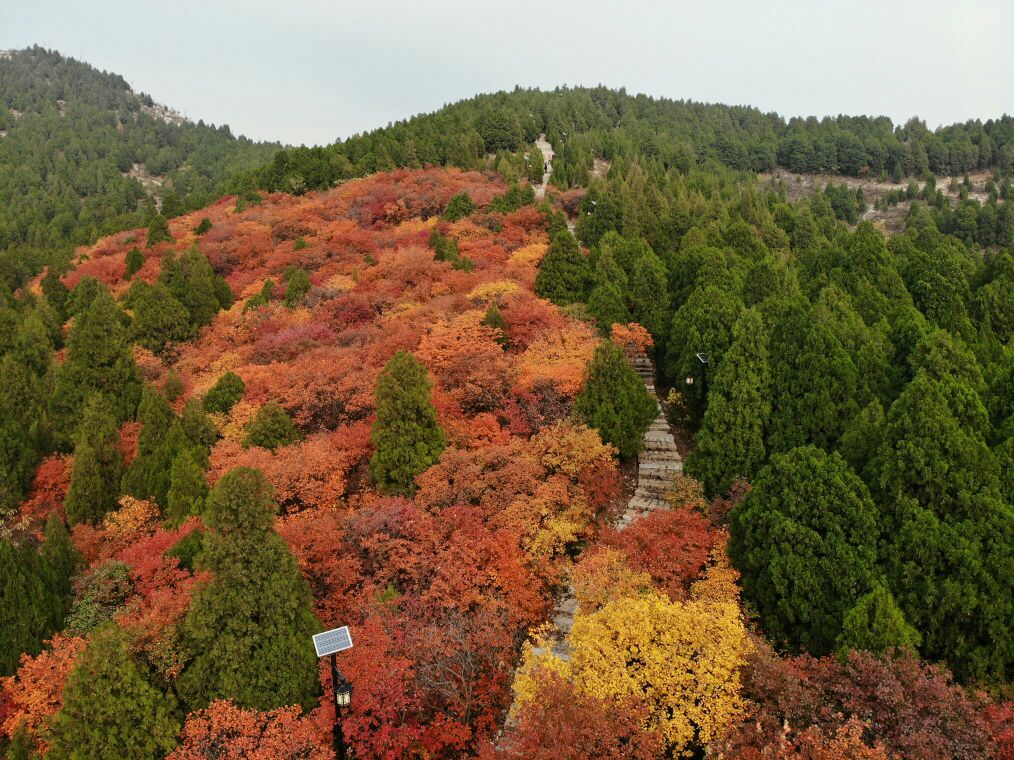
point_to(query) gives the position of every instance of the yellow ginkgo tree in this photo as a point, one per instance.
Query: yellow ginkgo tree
(683, 659)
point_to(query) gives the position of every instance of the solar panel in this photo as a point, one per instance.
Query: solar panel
(335, 640)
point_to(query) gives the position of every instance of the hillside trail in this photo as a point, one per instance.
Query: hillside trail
(547, 161)
(657, 463)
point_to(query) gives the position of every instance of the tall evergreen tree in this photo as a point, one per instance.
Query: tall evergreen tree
(615, 401)
(21, 427)
(607, 304)
(406, 436)
(224, 394)
(805, 541)
(158, 443)
(249, 628)
(159, 319)
(731, 442)
(59, 555)
(187, 488)
(649, 297)
(814, 380)
(875, 624)
(564, 274)
(109, 708)
(30, 609)
(98, 464)
(135, 260)
(158, 230)
(99, 360)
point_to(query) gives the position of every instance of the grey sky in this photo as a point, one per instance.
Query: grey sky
(309, 71)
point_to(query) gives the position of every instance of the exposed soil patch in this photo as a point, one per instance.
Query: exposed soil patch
(891, 218)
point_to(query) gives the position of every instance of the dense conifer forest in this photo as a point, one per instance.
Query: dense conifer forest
(390, 384)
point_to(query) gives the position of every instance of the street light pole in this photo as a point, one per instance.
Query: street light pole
(339, 733)
(329, 644)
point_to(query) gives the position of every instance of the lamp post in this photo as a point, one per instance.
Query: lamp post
(342, 688)
(703, 364)
(329, 644)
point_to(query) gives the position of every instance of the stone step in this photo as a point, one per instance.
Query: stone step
(640, 503)
(657, 466)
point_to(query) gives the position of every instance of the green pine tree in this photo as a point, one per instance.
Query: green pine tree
(30, 610)
(158, 230)
(147, 477)
(271, 428)
(135, 260)
(296, 287)
(199, 429)
(21, 427)
(98, 465)
(250, 627)
(805, 541)
(59, 555)
(607, 305)
(159, 319)
(730, 443)
(649, 296)
(615, 401)
(564, 275)
(187, 489)
(172, 387)
(406, 436)
(460, 206)
(224, 394)
(876, 624)
(99, 360)
(110, 709)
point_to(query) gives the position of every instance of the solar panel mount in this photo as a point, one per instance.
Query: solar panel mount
(333, 641)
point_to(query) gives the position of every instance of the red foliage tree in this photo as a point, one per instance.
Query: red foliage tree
(35, 693)
(673, 547)
(223, 731)
(562, 723)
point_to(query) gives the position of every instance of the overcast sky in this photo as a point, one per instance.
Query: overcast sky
(311, 71)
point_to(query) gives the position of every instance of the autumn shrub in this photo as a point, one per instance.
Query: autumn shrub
(687, 669)
(98, 595)
(227, 732)
(561, 722)
(918, 711)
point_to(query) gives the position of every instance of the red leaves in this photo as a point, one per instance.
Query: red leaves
(35, 693)
(673, 547)
(562, 723)
(224, 731)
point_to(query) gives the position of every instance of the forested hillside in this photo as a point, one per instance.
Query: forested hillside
(75, 145)
(658, 133)
(406, 403)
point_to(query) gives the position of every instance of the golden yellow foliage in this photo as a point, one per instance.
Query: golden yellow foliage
(492, 291)
(341, 282)
(135, 516)
(685, 492)
(721, 580)
(530, 255)
(232, 427)
(604, 576)
(684, 659)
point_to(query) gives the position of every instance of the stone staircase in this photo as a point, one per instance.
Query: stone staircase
(656, 464)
